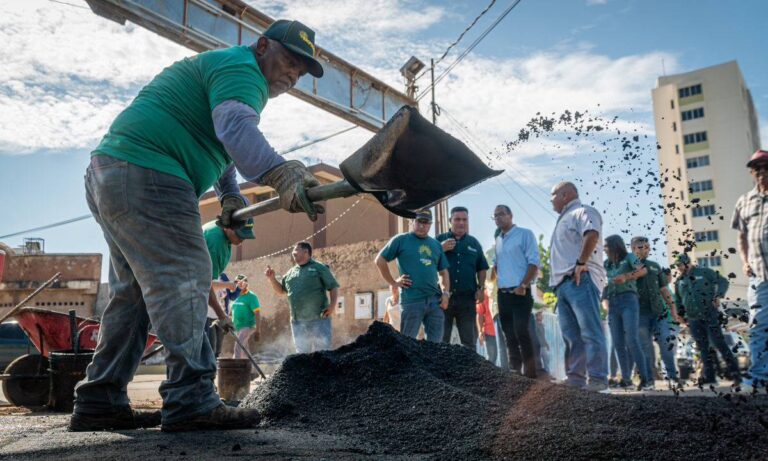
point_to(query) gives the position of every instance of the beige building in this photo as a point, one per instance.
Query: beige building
(706, 127)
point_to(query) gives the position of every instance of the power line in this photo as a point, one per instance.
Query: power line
(481, 148)
(69, 4)
(48, 226)
(84, 217)
(471, 47)
(486, 148)
(456, 42)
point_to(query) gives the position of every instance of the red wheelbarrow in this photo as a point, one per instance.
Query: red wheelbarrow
(26, 379)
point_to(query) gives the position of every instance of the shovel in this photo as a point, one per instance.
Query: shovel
(408, 165)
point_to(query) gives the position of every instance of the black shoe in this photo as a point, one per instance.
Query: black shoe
(121, 419)
(221, 417)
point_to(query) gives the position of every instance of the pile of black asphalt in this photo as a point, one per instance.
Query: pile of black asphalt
(394, 396)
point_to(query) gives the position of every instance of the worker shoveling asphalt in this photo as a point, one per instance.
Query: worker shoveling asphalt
(395, 396)
(192, 127)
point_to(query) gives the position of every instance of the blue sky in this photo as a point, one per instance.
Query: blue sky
(67, 73)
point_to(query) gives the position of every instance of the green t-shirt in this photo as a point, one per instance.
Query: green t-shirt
(421, 259)
(244, 310)
(169, 126)
(696, 290)
(306, 287)
(649, 288)
(629, 264)
(219, 247)
(465, 261)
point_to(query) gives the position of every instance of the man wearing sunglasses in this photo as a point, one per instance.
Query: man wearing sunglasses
(750, 219)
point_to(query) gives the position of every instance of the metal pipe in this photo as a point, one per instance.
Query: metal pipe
(330, 191)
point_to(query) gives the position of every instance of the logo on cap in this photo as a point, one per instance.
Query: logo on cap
(305, 38)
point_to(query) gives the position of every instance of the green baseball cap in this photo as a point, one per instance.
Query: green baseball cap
(682, 259)
(299, 39)
(246, 232)
(424, 215)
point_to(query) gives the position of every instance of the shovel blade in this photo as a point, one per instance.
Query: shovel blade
(411, 164)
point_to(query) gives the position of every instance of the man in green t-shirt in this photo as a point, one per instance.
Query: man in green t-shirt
(308, 285)
(190, 128)
(698, 291)
(245, 316)
(420, 258)
(219, 241)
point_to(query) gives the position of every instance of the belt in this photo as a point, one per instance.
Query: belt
(510, 290)
(565, 279)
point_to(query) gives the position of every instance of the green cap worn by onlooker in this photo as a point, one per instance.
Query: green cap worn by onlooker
(682, 258)
(299, 39)
(246, 231)
(424, 215)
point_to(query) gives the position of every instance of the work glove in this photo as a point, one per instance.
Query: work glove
(226, 325)
(230, 204)
(291, 181)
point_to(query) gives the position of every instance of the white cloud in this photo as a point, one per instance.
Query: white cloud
(597, 2)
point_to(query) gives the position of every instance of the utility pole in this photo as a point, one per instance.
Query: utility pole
(441, 209)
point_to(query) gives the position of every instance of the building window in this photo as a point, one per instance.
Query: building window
(674, 126)
(706, 210)
(700, 186)
(685, 221)
(672, 103)
(696, 162)
(707, 236)
(692, 114)
(709, 261)
(677, 148)
(689, 91)
(694, 138)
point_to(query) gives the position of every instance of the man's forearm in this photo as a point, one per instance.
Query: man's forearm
(530, 274)
(588, 245)
(481, 275)
(213, 301)
(334, 292)
(383, 266)
(744, 247)
(445, 280)
(276, 286)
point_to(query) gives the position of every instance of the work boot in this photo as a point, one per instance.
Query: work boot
(121, 419)
(220, 418)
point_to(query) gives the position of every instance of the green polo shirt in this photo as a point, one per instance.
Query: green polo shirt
(219, 247)
(244, 310)
(169, 126)
(649, 288)
(696, 290)
(421, 259)
(306, 287)
(629, 264)
(466, 260)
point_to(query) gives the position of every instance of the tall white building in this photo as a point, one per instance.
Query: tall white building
(706, 127)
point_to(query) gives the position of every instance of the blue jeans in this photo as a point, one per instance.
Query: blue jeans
(708, 334)
(578, 311)
(652, 327)
(624, 322)
(159, 273)
(501, 343)
(426, 311)
(311, 335)
(758, 332)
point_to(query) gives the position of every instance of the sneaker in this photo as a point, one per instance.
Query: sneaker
(121, 419)
(597, 386)
(625, 384)
(647, 386)
(221, 417)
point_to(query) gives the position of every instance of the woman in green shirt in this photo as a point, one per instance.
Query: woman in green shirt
(623, 304)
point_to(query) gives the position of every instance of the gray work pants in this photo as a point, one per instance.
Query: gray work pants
(159, 273)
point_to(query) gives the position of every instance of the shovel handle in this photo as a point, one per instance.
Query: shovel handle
(330, 191)
(24, 301)
(247, 353)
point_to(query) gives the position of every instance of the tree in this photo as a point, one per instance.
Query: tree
(544, 270)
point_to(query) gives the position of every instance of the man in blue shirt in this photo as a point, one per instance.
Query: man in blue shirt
(468, 268)
(516, 266)
(420, 259)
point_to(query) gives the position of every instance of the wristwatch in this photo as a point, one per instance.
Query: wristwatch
(579, 263)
